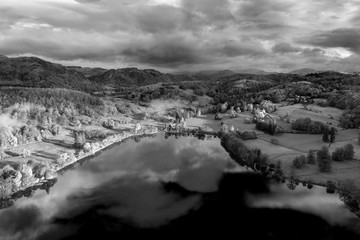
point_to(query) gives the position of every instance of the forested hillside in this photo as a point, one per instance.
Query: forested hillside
(35, 72)
(136, 77)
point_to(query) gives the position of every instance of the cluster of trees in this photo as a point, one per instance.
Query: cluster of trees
(323, 158)
(268, 127)
(57, 104)
(334, 80)
(329, 135)
(165, 92)
(344, 153)
(302, 160)
(299, 161)
(351, 118)
(350, 102)
(237, 148)
(310, 126)
(344, 99)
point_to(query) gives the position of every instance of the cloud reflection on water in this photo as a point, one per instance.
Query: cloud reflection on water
(123, 188)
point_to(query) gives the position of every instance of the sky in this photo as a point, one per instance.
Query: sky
(185, 35)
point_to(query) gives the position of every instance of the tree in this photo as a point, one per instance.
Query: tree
(325, 137)
(79, 139)
(349, 152)
(278, 169)
(338, 154)
(332, 134)
(311, 158)
(324, 159)
(299, 161)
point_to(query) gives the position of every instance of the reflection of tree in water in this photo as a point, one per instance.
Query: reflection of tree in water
(291, 184)
(350, 202)
(28, 192)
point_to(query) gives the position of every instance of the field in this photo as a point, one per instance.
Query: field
(288, 146)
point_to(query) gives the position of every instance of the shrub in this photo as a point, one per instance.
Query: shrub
(299, 161)
(274, 141)
(324, 159)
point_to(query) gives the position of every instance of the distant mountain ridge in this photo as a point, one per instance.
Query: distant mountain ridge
(36, 72)
(214, 74)
(304, 71)
(136, 77)
(87, 71)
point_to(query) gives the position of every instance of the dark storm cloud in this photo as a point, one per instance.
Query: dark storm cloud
(348, 38)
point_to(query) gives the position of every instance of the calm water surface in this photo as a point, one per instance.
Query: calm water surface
(173, 187)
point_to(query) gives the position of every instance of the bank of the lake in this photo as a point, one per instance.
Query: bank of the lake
(257, 161)
(165, 184)
(90, 150)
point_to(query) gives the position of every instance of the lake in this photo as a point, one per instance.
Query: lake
(184, 187)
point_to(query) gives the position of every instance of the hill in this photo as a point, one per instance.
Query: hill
(35, 72)
(305, 71)
(252, 71)
(135, 77)
(87, 71)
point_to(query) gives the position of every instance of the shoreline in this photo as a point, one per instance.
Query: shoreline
(115, 139)
(110, 141)
(292, 181)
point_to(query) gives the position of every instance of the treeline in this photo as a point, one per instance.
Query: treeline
(252, 157)
(350, 102)
(310, 126)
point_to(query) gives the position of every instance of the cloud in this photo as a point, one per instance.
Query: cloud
(348, 38)
(178, 34)
(20, 222)
(284, 47)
